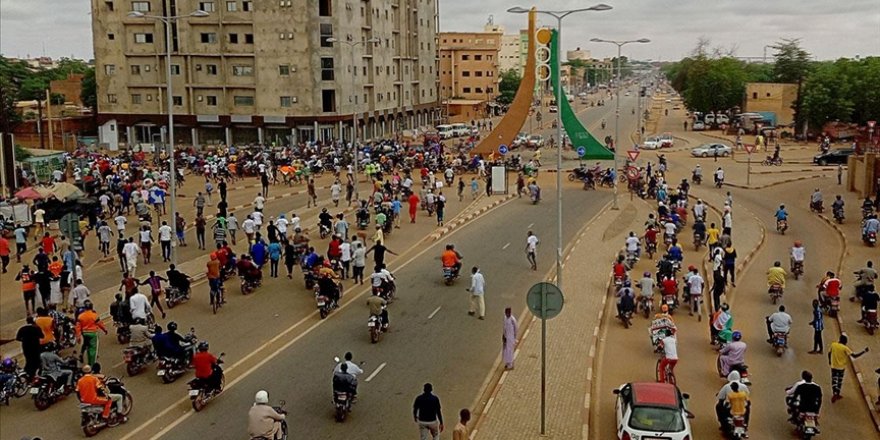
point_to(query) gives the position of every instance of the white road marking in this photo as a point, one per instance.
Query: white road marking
(530, 225)
(505, 246)
(434, 312)
(375, 372)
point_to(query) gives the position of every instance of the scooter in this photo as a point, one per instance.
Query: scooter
(775, 292)
(869, 320)
(781, 226)
(137, 358)
(90, 415)
(450, 274)
(199, 393)
(779, 342)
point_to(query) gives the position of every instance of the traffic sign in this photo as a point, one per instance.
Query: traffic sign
(545, 300)
(632, 173)
(750, 148)
(871, 124)
(633, 155)
(581, 151)
(502, 149)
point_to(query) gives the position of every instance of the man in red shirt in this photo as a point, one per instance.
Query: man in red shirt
(48, 244)
(831, 287)
(204, 362)
(4, 253)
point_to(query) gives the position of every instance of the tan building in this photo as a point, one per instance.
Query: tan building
(508, 54)
(70, 87)
(772, 97)
(469, 65)
(264, 71)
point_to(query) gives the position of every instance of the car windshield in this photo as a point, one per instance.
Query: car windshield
(647, 418)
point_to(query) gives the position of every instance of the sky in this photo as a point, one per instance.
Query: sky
(828, 29)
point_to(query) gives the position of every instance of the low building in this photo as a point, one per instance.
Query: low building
(778, 98)
(70, 87)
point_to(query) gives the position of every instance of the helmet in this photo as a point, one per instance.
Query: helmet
(8, 363)
(627, 283)
(203, 346)
(647, 274)
(781, 206)
(737, 335)
(797, 244)
(172, 326)
(725, 307)
(323, 209)
(691, 268)
(261, 398)
(664, 308)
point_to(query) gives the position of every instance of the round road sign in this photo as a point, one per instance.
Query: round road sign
(581, 151)
(545, 300)
(502, 149)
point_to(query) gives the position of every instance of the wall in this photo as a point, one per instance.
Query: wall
(772, 97)
(863, 174)
(71, 88)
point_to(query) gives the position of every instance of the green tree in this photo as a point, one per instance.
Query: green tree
(90, 90)
(792, 63)
(508, 86)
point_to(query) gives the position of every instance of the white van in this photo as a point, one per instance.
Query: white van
(445, 131)
(460, 129)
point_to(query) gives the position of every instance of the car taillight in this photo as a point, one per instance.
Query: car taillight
(625, 436)
(687, 437)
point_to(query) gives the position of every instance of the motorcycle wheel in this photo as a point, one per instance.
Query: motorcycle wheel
(323, 312)
(647, 312)
(20, 388)
(126, 404)
(797, 274)
(131, 369)
(870, 330)
(340, 413)
(167, 377)
(625, 322)
(90, 430)
(122, 338)
(374, 335)
(832, 313)
(774, 298)
(170, 304)
(42, 401)
(447, 281)
(198, 403)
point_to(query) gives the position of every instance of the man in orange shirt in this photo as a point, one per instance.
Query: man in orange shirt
(4, 252)
(47, 325)
(451, 258)
(87, 325)
(87, 389)
(56, 266)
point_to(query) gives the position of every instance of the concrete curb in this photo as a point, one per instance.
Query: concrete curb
(457, 222)
(802, 170)
(872, 408)
(767, 185)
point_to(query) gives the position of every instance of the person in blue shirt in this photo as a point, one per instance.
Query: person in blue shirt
(311, 259)
(259, 252)
(675, 253)
(274, 258)
(395, 208)
(781, 214)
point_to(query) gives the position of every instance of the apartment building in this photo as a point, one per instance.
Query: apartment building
(469, 65)
(261, 71)
(508, 55)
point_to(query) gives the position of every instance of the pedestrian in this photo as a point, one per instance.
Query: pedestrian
(180, 225)
(730, 264)
(461, 431)
(39, 222)
(20, 242)
(28, 288)
(87, 325)
(313, 196)
(232, 226)
(839, 355)
(718, 281)
(155, 283)
(264, 183)
(30, 335)
(120, 252)
(358, 261)
(427, 414)
(440, 208)
(48, 244)
(477, 290)
(289, 258)
(345, 257)
(209, 189)
(818, 324)
(531, 249)
(840, 174)
(335, 192)
(475, 188)
(4, 253)
(199, 203)
(695, 283)
(729, 200)
(274, 258)
(165, 234)
(131, 252)
(488, 185)
(460, 189)
(379, 251)
(200, 230)
(396, 207)
(508, 338)
(104, 234)
(413, 206)
(349, 190)
(221, 186)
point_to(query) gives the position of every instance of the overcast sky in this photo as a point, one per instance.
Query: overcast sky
(828, 29)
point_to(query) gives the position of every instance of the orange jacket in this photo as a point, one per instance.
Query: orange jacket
(88, 321)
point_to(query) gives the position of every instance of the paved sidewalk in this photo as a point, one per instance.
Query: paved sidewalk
(513, 408)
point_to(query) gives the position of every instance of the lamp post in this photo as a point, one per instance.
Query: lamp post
(558, 15)
(619, 44)
(168, 21)
(354, 150)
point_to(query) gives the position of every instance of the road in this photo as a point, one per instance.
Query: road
(695, 372)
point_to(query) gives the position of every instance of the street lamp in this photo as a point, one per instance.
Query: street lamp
(558, 15)
(168, 20)
(619, 44)
(354, 150)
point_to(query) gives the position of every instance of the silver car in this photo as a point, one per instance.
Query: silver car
(711, 150)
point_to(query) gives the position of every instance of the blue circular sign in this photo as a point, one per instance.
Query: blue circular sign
(502, 149)
(581, 151)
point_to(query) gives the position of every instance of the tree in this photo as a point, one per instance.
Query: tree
(508, 86)
(90, 90)
(792, 63)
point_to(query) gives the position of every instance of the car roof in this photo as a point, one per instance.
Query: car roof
(655, 394)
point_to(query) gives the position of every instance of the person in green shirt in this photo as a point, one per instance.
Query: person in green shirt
(839, 355)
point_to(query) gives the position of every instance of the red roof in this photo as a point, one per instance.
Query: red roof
(655, 394)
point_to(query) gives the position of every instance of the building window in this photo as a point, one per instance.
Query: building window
(466, 90)
(465, 73)
(177, 100)
(328, 101)
(231, 6)
(243, 101)
(143, 38)
(242, 70)
(465, 57)
(490, 90)
(175, 69)
(135, 99)
(325, 8)
(135, 69)
(478, 73)
(233, 38)
(248, 38)
(284, 70)
(286, 101)
(247, 6)
(111, 37)
(211, 69)
(110, 69)
(111, 98)
(206, 6)
(754, 95)
(209, 37)
(478, 90)
(211, 100)
(140, 6)
(478, 57)
(327, 69)
(326, 32)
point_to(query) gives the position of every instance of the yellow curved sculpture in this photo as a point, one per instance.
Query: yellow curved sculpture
(506, 130)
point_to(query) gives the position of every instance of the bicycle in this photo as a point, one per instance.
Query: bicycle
(670, 375)
(216, 299)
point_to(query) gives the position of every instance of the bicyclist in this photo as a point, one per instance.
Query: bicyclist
(670, 357)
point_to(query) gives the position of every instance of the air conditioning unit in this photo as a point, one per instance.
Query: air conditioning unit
(293, 99)
(281, 36)
(290, 36)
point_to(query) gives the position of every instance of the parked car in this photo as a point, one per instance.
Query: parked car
(709, 119)
(445, 131)
(721, 118)
(838, 156)
(698, 126)
(536, 141)
(666, 140)
(520, 140)
(651, 143)
(649, 410)
(711, 150)
(553, 109)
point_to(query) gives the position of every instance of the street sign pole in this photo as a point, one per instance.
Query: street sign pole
(749, 150)
(545, 301)
(543, 361)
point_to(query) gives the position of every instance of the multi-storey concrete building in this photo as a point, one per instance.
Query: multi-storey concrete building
(508, 55)
(264, 71)
(469, 65)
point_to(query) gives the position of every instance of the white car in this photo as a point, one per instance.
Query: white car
(666, 140)
(652, 411)
(651, 143)
(553, 109)
(698, 126)
(711, 150)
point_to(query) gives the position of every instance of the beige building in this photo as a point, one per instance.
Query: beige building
(259, 71)
(772, 97)
(577, 54)
(508, 55)
(469, 65)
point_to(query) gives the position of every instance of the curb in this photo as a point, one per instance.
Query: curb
(802, 170)
(814, 176)
(872, 408)
(462, 220)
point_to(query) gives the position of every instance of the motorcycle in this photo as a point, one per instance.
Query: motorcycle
(838, 215)
(631, 260)
(450, 274)
(646, 305)
(174, 296)
(797, 269)
(324, 230)
(280, 410)
(325, 304)
(199, 393)
(771, 161)
(376, 328)
(17, 387)
(697, 178)
(309, 277)
(90, 415)
(698, 240)
(123, 332)
(248, 286)
(779, 342)
(736, 427)
(671, 302)
(651, 249)
(775, 292)
(137, 358)
(45, 391)
(171, 368)
(816, 207)
(870, 321)
(781, 226)
(807, 424)
(342, 403)
(830, 305)
(870, 238)
(742, 369)
(719, 183)
(626, 318)
(65, 331)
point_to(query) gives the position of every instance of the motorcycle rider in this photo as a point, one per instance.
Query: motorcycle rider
(864, 280)
(779, 322)
(203, 362)
(625, 299)
(781, 215)
(837, 206)
(344, 382)
(327, 284)
(733, 353)
(699, 210)
(776, 275)
(378, 308)
(57, 368)
(829, 288)
(325, 220)
(353, 368)
(700, 230)
(141, 336)
(382, 280)
(804, 396)
(719, 176)
(263, 421)
(178, 279)
(737, 401)
(722, 323)
(869, 302)
(451, 258)
(170, 344)
(816, 200)
(721, 410)
(632, 245)
(90, 389)
(697, 174)
(797, 254)
(872, 225)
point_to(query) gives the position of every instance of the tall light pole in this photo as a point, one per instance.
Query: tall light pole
(354, 149)
(168, 21)
(619, 44)
(558, 15)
